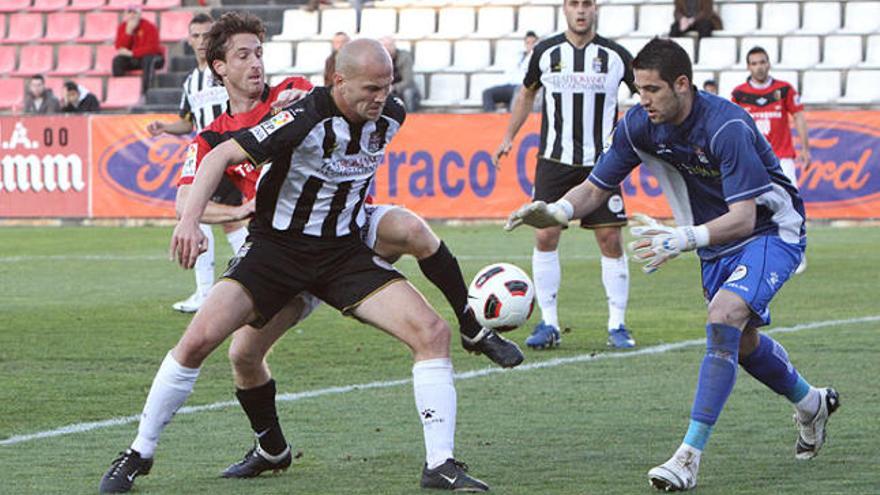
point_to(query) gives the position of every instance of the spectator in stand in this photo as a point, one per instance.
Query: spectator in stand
(38, 98)
(404, 86)
(78, 99)
(516, 71)
(697, 16)
(339, 40)
(710, 86)
(137, 45)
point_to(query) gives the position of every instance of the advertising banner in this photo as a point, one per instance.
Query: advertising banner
(44, 167)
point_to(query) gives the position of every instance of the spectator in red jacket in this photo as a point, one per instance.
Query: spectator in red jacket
(137, 45)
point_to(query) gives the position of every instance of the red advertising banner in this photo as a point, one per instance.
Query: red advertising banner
(135, 174)
(44, 167)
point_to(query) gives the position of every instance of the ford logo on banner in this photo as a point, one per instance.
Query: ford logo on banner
(144, 169)
(845, 163)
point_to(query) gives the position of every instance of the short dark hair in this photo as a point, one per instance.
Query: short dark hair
(230, 24)
(38, 77)
(71, 86)
(531, 34)
(667, 57)
(757, 49)
(201, 18)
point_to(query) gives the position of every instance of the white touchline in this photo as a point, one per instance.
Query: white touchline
(550, 363)
(153, 257)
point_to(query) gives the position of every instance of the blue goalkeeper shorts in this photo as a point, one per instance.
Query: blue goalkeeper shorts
(754, 273)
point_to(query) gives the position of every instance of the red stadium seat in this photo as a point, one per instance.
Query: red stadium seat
(175, 26)
(161, 4)
(14, 5)
(24, 28)
(7, 59)
(95, 85)
(11, 94)
(34, 59)
(73, 60)
(121, 4)
(83, 5)
(61, 27)
(100, 27)
(122, 92)
(103, 61)
(49, 5)
(56, 84)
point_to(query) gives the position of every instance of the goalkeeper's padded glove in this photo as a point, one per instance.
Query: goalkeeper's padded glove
(657, 243)
(541, 215)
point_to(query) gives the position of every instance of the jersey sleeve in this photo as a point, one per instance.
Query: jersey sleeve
(532, 79)
(196, 150)
(743, 174)
(629, 77)
(185, 108)
(617, 161)
(793, 101)
(279, 134)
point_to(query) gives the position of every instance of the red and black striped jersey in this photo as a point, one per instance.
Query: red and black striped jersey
(770, 107)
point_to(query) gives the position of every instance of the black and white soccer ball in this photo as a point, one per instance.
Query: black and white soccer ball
(502, 297)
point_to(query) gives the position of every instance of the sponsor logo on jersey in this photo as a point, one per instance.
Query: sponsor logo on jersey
(279, 120)
(189, 165)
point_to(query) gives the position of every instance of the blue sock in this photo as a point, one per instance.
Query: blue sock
(769, 364)
(717, 376)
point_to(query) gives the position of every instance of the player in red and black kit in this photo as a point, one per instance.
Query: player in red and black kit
(770, 101)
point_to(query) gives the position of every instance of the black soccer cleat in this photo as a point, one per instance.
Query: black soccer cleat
(123, 471)
(254, 463)
(501, 351)
(452, 475)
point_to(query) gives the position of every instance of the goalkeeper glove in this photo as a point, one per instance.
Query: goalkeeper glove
(541, 215)
(657, 243)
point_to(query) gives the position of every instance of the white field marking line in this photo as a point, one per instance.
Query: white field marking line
(550, 363)
(148, 257)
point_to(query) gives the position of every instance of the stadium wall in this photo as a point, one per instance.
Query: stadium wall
(439, 166)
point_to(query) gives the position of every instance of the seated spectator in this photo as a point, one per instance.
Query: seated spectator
(516, 71)
(697, 16)
(137, 45)
(339, 39)
(404, 86)
(710, 86)
(78, 99)
(38, 98)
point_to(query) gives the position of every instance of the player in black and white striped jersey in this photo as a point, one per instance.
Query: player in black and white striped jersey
(203, 100)
(580, 72)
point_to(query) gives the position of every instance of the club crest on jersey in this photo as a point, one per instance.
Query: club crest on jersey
(701, 155)
(777, 95)
(375, 142)
(738, 274)
(265, 129)
(597, 65)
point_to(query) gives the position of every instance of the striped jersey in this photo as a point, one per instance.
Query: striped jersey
(322, 166)
(203, 98)
(580, 95)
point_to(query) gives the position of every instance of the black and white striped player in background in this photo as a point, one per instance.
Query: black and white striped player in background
(580, 72)
(203, 100)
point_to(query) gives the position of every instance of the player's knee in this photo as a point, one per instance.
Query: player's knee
(547, 239)
(434, 335)
(727, 312)
(421, 241)
(243, 358)
(609, 242)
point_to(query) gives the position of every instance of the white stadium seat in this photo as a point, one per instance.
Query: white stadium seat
(506, 51)
(770, 44)
(625, 98)
(277, 56)
(861, 17)
(821, 87)
(872, 53)
(738, 19)
(495, 22)
(730, 79)
(431, 55)
(446, 90)
(654, 20)
(416, 23)
(701, 76)
(310, 56)
(820, 17)
(862, 87)
(799, 52)
(538, 18)
(479, 82)
(779, 18)
(841, 52)
(336, 20)
(376, 23)
(633, 45)
(616, 20)
(455, 22)
(789, 76)
(688, 45)
(471, 55)
(298, 24)
(717, 53)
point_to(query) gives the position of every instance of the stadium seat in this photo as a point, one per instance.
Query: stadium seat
(277, 56)
(471, 55)
(103, 61)
(298, 24)
(841, 52)
(14, 5)
(416, 23)
(56, 84)
(862, 87)
(120, 5)
(702, 76)
(799, 52)
(872, 53)
(122, 92)
(95, 85)
(446, 90)
(100, 27)
(821, 87)
(789, 76)
(336, 20)
(455, 22)
(769, 43)
(495, 22)
(729, 79)
(49, 5)
(654, 20)
(478, 83)
(7, 59)
(174, 25)
(161, 4)
(376, 23)
(431, 55)
(779, 18)
(24, 28)
(61, 27)
(717, 53)
(34, 59)
(861, 18)
(616, 20)
(738, 19)
(310, 56)
(688, 44)
(506, 50)
(538, 18)
(84, 5)
(820, 17)
(73, 60)
(11, 94)
(633, 45)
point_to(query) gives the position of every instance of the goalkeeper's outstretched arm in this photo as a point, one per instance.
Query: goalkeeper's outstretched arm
(585, 198)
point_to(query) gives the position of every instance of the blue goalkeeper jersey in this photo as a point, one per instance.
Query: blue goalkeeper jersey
(714, 158)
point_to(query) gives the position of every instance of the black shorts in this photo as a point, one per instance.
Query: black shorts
(554, 179)
(226, 193)
(342, 272)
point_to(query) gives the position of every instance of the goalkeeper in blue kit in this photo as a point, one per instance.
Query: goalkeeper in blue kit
(735, 207)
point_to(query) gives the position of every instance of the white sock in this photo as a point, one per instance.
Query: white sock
(171, 387)
(547, 275)
(205, 263)
(236, 239)
(615, 278)
(808, 406)
(436, 404)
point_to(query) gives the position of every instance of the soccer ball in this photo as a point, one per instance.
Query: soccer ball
(502, 297)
